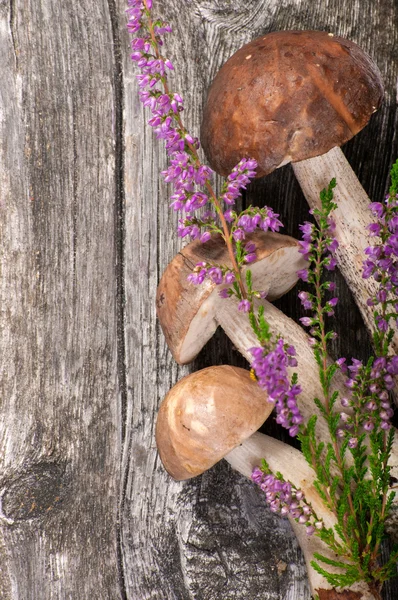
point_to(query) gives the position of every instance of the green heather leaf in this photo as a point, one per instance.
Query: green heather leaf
(319, 450)
(249, 281)
(239, 251)
(253, 324)
(330, 456)
(333, 399)
(321, 407)
(336, 580)
(330, 371)
(394, 179)
(335, 563)
(343, 448)
(236, 287)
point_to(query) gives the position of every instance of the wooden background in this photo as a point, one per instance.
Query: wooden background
(87, 511)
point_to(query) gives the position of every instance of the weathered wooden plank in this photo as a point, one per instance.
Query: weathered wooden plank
(59, 427)
(83, 360)
(194, 540)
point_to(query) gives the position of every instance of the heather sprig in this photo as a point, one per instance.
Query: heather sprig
(270, 364)
(356, 491)
(203, 213)
(382, 265)
(188, 176)
(285, 499)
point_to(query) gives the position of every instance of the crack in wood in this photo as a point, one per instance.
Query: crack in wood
(120, 233)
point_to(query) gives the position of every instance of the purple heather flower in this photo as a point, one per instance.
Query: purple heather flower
(244, 306)
(305, 249)
(306, 321)
(368, 426)
(229, 277)
(306, 300)
(377, 209)
(238, 235)
(283, 498)
(307, 230)
(303, 274)
(330, 263)
(215, 275)
(205, 237)
(272, 375)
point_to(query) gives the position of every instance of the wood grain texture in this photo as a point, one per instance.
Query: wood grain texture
(60, 417)
(188, 515)
(85, 233)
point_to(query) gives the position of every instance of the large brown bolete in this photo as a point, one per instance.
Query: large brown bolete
(297, 96)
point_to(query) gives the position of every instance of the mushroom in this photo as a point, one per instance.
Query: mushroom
(297, 96)
(205, 415)
(214, 414)
(190, 314)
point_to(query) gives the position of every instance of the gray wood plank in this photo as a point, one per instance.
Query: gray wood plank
(192, 540)
(60, 417)
(85, 233)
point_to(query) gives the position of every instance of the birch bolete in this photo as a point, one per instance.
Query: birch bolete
(297, 96)
(214, 414)
(189, 314)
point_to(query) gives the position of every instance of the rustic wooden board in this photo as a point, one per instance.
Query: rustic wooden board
(60, 409)
(193, 557)
(85, 233)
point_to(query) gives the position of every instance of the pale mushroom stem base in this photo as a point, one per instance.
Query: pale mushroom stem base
(294, 468)
(352, 218)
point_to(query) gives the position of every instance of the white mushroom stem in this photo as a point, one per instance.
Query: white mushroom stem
(237, 327)
(291, 463)
(352, 218)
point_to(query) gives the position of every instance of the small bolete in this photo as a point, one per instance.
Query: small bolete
(214, 414)
(297, 96)
(189, 314)
(205, 415)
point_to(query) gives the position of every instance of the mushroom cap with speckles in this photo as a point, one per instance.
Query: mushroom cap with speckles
(288, 96)
(188, 312)
(205, 416)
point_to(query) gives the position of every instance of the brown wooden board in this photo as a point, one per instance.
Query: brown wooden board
(85, 234)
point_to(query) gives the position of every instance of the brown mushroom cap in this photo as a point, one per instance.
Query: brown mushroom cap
(205, 416)
(188, 312)
(288, 96)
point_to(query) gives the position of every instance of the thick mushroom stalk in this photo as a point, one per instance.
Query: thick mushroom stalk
(352, 218)
(297, 96)
(214, 413)
(291, 463)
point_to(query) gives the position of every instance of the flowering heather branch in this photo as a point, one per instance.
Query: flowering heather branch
(285, 499)
(382, 264)
(363, 428)
(190, 179)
